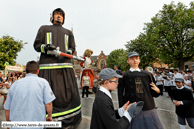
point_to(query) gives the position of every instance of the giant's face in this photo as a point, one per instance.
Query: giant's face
(133, 61)
(58, 17)
(89, 54)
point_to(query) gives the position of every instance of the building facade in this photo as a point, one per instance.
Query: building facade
(99, 60)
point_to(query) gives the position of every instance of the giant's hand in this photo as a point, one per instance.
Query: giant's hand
(155, 88)
(59, 53)
(69, 52)
(135, 108)
(50, 47)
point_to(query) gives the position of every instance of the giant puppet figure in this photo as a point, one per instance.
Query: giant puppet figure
(58, 71)
(86, 67)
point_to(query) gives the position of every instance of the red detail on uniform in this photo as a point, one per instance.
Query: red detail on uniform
(82, 63)
(67, 55)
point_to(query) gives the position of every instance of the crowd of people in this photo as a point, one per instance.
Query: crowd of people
(166, 79)
(7, 80)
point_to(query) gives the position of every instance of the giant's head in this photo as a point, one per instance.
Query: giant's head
(88, 53)
(133, 59)
(58, 16)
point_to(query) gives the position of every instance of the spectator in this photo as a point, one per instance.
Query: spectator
(29, 98)
(2, 81)
(95, 84)
(20, 77)
(189, 73)
(184, 103)
(191, 69)
(118, 70)
(167, 82)
(85, 84)
(4, 78)
(159, 82)
(187, 83)
(120, 86)
(7, 85)
(105, 66)
(10, 81)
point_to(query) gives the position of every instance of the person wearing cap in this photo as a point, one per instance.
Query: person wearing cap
(184, 103)
(103, 114)
(176, 75)
(139, 85)
(58, 71)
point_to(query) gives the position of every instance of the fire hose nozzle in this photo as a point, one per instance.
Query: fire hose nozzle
(78, 58)
(54, 52)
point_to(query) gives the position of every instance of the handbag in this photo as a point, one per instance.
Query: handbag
(3, 90)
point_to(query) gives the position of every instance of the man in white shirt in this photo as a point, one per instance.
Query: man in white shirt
(159, 82)
(187, 83)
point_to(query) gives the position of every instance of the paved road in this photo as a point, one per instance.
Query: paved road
(165, 111)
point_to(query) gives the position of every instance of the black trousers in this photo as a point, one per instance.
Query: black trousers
(83, 92)
(169, 90)
(66, 92)
(161, 89)
(165, 89)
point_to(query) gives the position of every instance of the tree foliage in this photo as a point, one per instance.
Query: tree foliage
(8, 50)
(173, 28)
(146, 50)
(122, 61)
(168, 37)
(118, 57)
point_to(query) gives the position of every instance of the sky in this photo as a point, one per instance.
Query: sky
(102, 25)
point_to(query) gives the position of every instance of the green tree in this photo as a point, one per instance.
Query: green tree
(8, 50)
(122, 61)
(113, 57)
(171, 30)
(146, 49)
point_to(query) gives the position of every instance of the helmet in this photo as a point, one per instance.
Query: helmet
(149, 69)
(59, 10)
